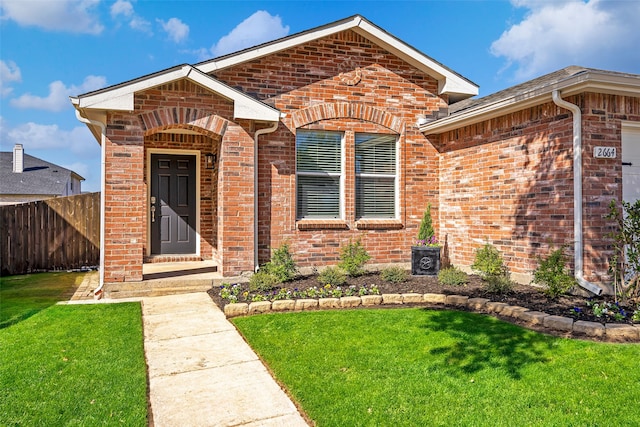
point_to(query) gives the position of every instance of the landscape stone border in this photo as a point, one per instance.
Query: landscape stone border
(536, 320)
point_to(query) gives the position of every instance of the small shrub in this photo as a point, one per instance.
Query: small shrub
(490, 266)
(282, 266)
(425, 233)
(452, 276)
(553, 274)
(262, 281)
(500, 284)
(394, 275)
(354, 256)
(332, 276)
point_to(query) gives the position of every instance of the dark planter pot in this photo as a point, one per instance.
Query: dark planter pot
(425, 260)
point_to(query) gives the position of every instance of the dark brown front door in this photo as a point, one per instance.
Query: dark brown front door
(173, 204)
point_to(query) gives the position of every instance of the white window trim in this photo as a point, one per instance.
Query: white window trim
(341, 190)
(396, 184)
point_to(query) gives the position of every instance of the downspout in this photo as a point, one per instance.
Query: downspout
(577, 192)
(97, 292)
(259, 132)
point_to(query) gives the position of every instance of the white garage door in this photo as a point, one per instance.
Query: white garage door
(631, 163)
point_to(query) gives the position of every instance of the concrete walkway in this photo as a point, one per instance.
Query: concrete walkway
(201, 371)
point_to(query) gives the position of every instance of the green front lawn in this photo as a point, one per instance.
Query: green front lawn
(423, 367)
(69, 364)
(25, 295)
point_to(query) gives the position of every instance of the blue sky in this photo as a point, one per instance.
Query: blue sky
(52, 49)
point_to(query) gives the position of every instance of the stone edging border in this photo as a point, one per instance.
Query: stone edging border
(536, 320)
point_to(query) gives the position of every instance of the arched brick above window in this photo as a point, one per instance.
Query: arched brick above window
(352, 110)
(200, 121)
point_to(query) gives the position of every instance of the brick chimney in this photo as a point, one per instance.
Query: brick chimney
(18, 158)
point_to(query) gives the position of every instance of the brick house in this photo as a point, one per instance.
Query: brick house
(344, 132)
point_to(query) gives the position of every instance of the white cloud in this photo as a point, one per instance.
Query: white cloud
(177, 30)
(74, 16)
(121, 7)
(58, 98)
(123, 10)
(258, 28)
(9, 72)
(553, 35)
(34, 136)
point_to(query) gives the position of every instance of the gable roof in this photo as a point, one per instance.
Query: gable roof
(38, 176)
(570, 81)
(449, 82)
(120, 97)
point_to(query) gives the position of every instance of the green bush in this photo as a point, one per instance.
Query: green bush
(262, 281)
(282, 266)
(394, 275)
(489, 265)
(332, 276)
(452, 276)
(553, 274)
(354, 256)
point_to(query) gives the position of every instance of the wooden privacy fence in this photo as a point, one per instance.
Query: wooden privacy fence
(54, 234)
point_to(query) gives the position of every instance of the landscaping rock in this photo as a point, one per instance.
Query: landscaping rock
(412, 298)
(622, 332)
(329, 303)
(369, 300)
(495, 307)
(435, 298)
(259, 307)
(283, 305)
(592, 329)
(533, 317)
(512, 310)
(350, 301)
(457, 300)
(477, 303)
(391, 299)
(304, 304)
(559, 323)
(238, 309)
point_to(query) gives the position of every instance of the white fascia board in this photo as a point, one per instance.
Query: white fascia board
(252, 54)
(586, 82)
(121, 98)
(448, 82)
(244, 107)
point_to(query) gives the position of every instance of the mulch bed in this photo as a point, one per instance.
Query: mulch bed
(522, 295)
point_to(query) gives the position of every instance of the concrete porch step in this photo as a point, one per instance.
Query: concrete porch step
(159, 288)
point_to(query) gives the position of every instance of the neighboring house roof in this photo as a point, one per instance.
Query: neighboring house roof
(568, 81)
(121, 96)
(38, 177)
(449, 82)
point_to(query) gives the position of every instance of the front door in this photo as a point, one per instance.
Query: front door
(173, 204)
(630, 164)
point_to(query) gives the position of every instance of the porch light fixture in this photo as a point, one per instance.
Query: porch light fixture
(210, 160)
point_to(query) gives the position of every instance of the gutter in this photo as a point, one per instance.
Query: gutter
(259, 132)
(97, 292)
(577, 192)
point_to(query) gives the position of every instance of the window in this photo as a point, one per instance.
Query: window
(319, 174)
(375, 176)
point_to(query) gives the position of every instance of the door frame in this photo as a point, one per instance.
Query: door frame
(629, 127)
(178, 152)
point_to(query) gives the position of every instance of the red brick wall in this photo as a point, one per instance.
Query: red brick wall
(343, 82)
(509, 181)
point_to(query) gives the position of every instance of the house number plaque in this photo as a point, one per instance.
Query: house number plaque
(604, 152)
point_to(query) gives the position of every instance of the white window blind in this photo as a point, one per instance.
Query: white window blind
(375, 176)
(318, 170)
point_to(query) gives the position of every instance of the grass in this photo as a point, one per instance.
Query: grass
(69, 365)
(23, 296)
(420, 367)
